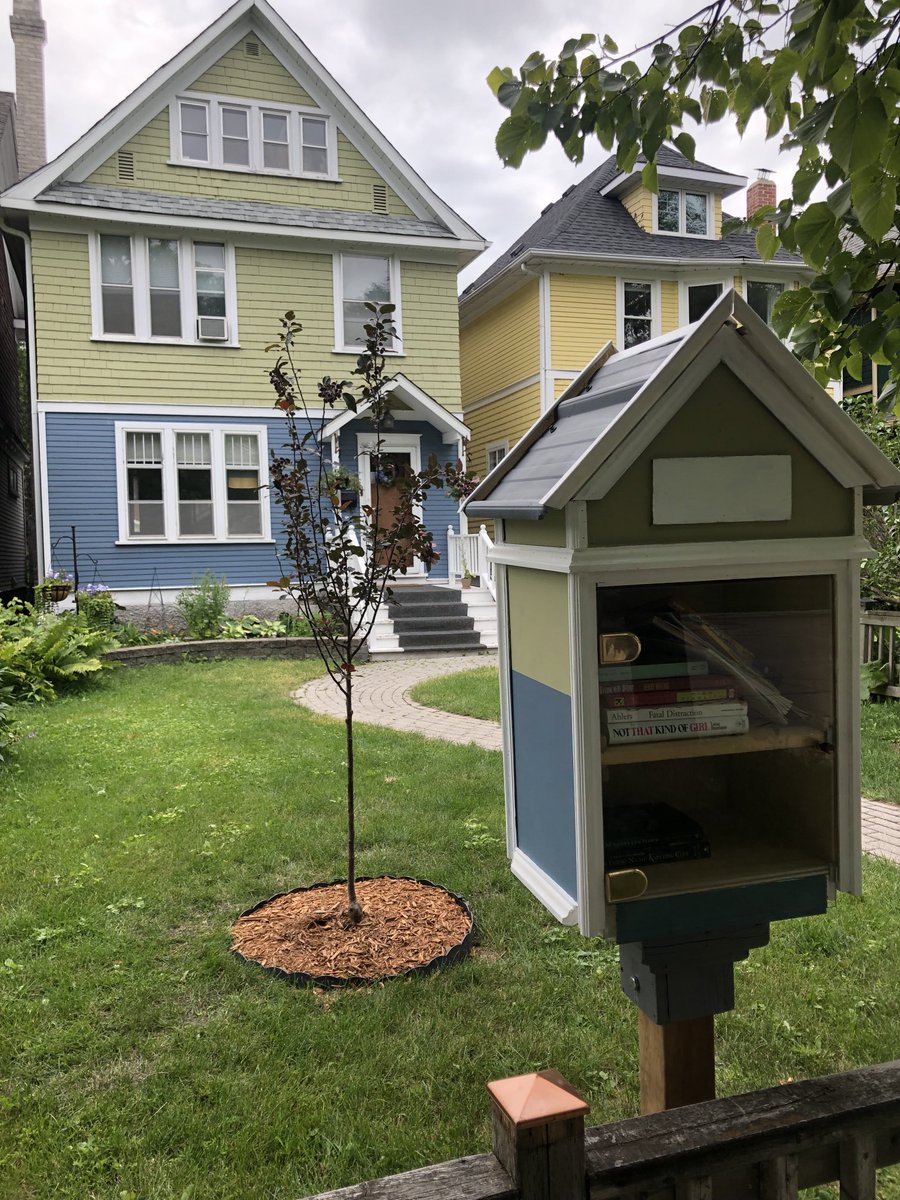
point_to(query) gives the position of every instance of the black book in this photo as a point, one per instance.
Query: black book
(650, 826)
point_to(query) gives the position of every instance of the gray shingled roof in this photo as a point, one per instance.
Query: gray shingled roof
(584, 222)
(575, 425)
(91, 195)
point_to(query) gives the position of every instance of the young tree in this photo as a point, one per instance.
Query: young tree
(826, 76)
(344, 561)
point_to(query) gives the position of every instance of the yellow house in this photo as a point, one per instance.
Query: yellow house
(609, 261)
(238, 182)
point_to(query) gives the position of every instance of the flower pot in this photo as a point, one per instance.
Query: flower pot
(466, 582)
(56, 591)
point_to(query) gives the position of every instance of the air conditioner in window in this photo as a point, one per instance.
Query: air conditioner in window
(212, 329)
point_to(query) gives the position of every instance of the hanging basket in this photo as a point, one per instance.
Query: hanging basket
(410, 927)
(56, 591)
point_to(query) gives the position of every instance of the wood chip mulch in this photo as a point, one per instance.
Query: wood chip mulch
(407, 923)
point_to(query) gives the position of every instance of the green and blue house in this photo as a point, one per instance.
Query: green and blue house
(238, 182)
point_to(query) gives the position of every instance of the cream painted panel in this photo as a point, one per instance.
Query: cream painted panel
(539, 626)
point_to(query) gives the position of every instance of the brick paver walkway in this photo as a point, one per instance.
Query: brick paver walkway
(381, 697)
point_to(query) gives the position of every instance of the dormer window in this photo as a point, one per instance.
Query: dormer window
(683, 212)
(253, 136)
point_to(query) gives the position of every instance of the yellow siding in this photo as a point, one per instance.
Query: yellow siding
(668, 303)
(258, 79)
(717, 215)
(582, 318)
(504, 420)
(269, 282)
(501, 347)
(262, 78)
(739, 285)
(639, 203)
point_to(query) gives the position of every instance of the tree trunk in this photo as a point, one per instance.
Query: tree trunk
(354, 908)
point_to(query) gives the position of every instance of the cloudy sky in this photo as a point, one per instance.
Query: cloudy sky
(419, 74)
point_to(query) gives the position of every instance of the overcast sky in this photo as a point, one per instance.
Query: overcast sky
(419, 75)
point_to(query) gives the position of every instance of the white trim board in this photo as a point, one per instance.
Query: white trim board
(547, 890)
(502, 393)
(152, 412)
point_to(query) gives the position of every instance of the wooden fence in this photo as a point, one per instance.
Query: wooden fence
(766, 1144)
(879, 643)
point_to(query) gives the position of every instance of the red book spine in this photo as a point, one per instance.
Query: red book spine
(687, 683)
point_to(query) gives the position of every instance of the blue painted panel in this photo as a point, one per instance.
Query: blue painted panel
(440, 509)
(726, 908)
(545, 782)
(81, 468)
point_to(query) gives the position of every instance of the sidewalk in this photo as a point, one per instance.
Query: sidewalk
(381, 697)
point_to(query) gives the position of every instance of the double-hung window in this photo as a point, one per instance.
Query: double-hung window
(179, 483)
(637, 313)
(683, 212)
(761, 297)
(149, 288)
(495, 453)
(252, 135)
(361, 279)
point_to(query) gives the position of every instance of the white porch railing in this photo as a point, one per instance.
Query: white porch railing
(470, 552)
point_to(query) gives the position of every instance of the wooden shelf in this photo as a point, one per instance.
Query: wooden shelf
(769, 737)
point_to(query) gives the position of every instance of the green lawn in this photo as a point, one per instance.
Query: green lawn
(140, 1061)
(472, 693)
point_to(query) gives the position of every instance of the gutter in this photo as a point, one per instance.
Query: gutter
(37, 465)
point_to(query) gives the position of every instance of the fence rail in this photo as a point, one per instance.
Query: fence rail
(470, 552)
(880, 644)
(767, 1144)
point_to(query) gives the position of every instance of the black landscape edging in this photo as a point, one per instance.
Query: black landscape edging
(455, 954)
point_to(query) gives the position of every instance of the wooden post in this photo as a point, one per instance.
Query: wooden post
(538, 1135)
(678, 1063)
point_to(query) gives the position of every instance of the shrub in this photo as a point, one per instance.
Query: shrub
(96, 606)
(203, 605)
(41, 654)
(252, 627)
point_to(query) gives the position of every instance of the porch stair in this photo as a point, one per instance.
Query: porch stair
(434, 619)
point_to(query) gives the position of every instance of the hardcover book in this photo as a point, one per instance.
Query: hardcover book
(723, 710)
(654, 699)
(663, 731)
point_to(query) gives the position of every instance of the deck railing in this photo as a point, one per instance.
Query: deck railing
(767, 1144)
(470, 551)
(879, 635)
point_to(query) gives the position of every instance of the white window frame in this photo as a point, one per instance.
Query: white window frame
(681, 230)
(340, 346)
(389, 443)
(726, 283)
(216, 433)
(492, 448)
(748, 279)
(140, 283)
(655, 306)
(255, 109)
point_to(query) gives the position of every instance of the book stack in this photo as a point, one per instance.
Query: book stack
(665, 701)
(639, 835)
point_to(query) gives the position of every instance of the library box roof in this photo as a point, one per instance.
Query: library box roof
(581, 446)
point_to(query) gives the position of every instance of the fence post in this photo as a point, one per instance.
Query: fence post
(537, 1125)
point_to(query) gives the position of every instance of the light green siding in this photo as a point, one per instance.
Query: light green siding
(549, 531)
(722, 418)
(269, 282)
(256, 79)
(539, 626)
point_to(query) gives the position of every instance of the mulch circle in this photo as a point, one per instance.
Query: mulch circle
(410, 927)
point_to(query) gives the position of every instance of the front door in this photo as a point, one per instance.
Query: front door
(387, 472)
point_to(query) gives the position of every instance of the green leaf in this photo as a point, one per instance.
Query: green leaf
(498, 77)
(609, 45)
(649, 177)
(784, 66)
(874, 201)
(839, 200)
(805, 179)
(714, 103)
(816, 233)
(686, 144)
(508, 92)
(766, 241)
(514, 140)
(859, 131)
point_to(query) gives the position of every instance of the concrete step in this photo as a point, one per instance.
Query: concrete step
(407, 624)
(435, 610)
(437, 639)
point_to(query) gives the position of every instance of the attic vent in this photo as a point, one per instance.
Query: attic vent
(379, 197)
(570, 188)
(125, 162)
(251, 48)
(517, 250)
(547, 208)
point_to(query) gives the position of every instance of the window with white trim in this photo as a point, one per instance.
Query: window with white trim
(637, 313)
(253, 135)
(166, 289)
(761, 296)
(362, 279)
(179, 483)
(683, 212)
(495, 453)
(700, 297)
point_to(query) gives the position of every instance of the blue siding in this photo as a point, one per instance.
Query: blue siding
(81, 469)
(545, 781)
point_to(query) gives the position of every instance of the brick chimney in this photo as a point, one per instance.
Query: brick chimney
(29, 34)
(761, 191)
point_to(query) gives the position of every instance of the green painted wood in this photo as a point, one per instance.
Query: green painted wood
(539, 626)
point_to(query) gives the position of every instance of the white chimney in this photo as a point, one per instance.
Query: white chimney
(29, 34)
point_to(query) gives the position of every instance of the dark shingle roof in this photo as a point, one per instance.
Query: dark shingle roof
(89, 195)
(584, 222)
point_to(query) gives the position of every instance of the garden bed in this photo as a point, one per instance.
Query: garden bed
(216, 648)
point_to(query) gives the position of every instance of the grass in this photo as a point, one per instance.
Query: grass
(471, 693)
(141, 1061)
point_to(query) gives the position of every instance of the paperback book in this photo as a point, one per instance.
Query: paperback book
(723, 710)
(663, 731)
(654, 832)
